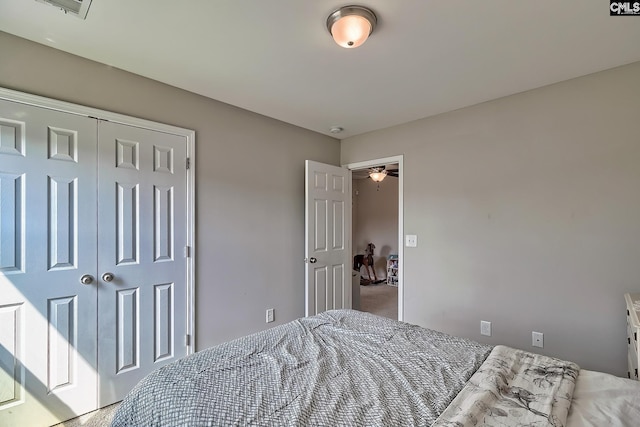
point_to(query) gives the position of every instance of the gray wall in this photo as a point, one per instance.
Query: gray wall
(527, 208)
(527, 211)
(375, 219)
(250, 183)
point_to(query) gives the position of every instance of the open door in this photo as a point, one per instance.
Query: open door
(327, 237)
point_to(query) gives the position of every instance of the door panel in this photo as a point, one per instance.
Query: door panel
(48, 327)
(164, 311)
(11, 354)
(328, 236)
(63, 206)
(63, 340)
(127, 206)
(142, 216)
(12, 200)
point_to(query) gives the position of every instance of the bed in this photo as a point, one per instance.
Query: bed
(345, 367)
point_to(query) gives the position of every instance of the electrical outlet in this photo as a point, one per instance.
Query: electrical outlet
(270, 315)
(485, 328)
(537, 339)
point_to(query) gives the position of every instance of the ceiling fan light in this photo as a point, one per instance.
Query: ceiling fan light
(350, 26)
(378, 175)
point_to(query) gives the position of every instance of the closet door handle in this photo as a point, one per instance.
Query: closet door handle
(108, 277)
(86, 279)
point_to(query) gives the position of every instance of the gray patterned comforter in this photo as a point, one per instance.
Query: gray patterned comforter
(339, 368)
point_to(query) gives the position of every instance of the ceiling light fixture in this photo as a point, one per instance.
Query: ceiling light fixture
(350, 26)
(377, 174)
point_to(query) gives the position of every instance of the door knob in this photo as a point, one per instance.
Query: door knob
(87, 279)
(108, 277)
(312, 260)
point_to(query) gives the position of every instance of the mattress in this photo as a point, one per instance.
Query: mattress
(348, 368)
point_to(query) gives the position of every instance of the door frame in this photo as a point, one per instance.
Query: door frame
(378, 162)
(98, 114)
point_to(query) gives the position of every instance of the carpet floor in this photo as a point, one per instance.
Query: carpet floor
(380, 299)
(100, 418)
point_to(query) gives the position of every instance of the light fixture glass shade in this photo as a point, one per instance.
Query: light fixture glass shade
(351, 31)
(378, 175)
(350, 26)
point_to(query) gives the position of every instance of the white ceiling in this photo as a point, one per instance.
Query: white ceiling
(276, 58)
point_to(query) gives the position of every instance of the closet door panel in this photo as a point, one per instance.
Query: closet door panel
(48, 240)
(142, 216)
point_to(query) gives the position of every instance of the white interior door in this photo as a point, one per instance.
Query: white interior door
(142, 214)
(47, 243)
(79, 198)
(327, 237)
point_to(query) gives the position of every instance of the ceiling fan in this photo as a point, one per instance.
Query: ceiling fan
(378, 173)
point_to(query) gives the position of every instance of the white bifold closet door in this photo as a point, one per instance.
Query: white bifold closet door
(48, 241)
(141, 241)
(80, 198)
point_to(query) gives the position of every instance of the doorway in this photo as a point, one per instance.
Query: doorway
(377, 219)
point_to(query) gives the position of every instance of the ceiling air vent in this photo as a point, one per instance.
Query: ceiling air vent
(77, 8)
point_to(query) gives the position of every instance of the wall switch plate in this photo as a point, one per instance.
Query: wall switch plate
(270, 315)
(411, 241)
(485, 328)
(537, 339)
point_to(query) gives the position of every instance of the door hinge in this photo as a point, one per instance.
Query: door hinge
(188, 163)
(187, 251)
(187, 340)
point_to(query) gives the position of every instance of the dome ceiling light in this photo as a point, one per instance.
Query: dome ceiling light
(350, 26)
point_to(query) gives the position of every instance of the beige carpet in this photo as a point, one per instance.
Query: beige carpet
(100, 418)
(380, 299)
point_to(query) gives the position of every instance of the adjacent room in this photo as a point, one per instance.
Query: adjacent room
(175, 176)
(375, 239)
